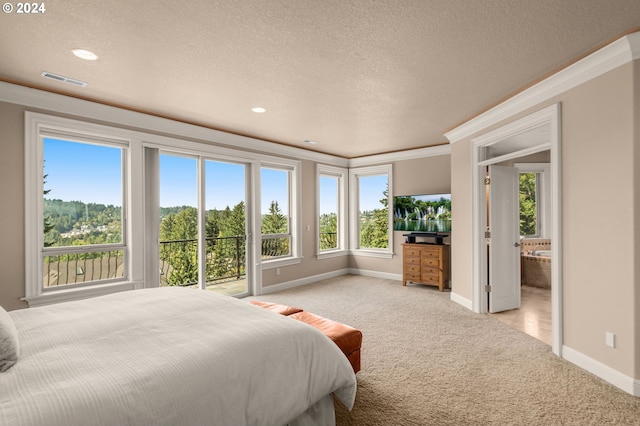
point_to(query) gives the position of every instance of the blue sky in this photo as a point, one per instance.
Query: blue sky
(91, 174)
(82, 172)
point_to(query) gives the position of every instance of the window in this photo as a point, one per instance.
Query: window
(331, 205)
(76, 208)
(275, 219)
(528, 204)
(82, 213)
(97, 199)
(178, 220)
(370, 218)
(534, 199)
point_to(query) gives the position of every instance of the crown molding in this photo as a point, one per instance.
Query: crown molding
(613, 55)
(54, 102)
(410, 154)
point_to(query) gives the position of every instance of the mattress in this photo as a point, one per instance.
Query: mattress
(170, 356)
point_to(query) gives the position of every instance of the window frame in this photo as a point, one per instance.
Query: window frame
(543, 196)
(292, 167)
(354, 208)
(342, 176)
(37, 128)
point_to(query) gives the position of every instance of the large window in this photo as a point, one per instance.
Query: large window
(370, 213)
(78, 209)
(82, 212)
(178, 220)
(276, 208)
(332, 204)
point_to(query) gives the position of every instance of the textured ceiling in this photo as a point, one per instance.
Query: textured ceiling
(359, 77)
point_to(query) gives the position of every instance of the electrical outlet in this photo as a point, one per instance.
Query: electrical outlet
(610, 339)
(277, 271)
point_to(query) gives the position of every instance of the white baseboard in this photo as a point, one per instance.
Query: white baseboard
(303, 281)
(376, 274)
(312, 279)
(606, 373)
(455, 297)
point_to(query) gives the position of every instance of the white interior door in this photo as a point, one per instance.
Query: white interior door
(504, 246)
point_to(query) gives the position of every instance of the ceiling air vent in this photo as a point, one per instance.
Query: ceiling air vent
(64, 79)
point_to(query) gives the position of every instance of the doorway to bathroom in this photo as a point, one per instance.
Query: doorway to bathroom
(532, 176)
(496, 235)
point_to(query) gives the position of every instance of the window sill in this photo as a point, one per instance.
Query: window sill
(331, 253)
(66, 295)
(277, 263)
(372, 253)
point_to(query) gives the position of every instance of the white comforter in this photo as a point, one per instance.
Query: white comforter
(169, 356)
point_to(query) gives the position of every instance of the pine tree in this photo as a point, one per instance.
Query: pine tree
(229, 254)
(275, 223)
(180, 231)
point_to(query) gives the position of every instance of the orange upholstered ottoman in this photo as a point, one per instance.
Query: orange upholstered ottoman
(276, 307)
(348, 339)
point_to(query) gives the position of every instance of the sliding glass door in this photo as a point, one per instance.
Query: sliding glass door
(226, 227)
(203, 224)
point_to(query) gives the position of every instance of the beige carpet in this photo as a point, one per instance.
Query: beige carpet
(429, 361)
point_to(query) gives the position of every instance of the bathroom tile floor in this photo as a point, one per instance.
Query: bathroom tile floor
(534, 315)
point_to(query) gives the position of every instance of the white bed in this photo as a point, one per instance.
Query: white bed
(170, 356)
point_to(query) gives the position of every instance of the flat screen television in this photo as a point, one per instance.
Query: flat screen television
(422, 213)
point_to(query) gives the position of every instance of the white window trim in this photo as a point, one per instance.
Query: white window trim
(137, 226)
(37, 124)
(295, 208)
(342, 176)
(543, 194)
(354, 197)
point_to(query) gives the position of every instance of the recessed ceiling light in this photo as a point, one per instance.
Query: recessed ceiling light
(259, 110)
(310, 142)
(85, 54)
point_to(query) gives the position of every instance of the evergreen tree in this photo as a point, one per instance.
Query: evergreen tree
(275, 223)
(180, 231)
(48, 226)
(229, 254)
(374, 225)
(328, 232)
(528, 204)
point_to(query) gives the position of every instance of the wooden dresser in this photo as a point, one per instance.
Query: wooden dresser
(425, 264)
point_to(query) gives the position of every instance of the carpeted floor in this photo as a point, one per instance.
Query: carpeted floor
(429, 361)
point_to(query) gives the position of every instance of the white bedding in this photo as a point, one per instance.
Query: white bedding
(170, 356)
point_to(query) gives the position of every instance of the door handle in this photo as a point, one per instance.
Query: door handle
(516, 244)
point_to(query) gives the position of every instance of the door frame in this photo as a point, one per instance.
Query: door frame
(550, 118)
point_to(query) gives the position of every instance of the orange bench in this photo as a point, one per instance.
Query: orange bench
(347, 338)
(276, 307)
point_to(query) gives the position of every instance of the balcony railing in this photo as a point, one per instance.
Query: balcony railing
(79, 267)
(225, 260)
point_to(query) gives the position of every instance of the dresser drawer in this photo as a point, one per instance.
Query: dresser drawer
(415, 269)
(430, 279)
(430, 253)
(412, 261)
(430, 262)
(411, 252)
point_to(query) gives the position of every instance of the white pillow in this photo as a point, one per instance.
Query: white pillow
(9, 348)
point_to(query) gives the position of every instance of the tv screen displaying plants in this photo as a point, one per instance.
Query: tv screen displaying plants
(422, 213)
